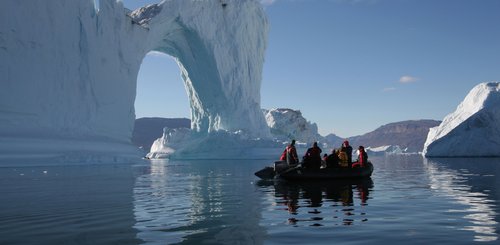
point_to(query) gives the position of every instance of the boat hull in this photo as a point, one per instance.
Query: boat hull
(299, 173)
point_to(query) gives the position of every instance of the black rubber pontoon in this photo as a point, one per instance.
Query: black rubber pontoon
(298, 173)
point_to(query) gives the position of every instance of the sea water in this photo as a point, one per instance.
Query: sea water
(408, 199)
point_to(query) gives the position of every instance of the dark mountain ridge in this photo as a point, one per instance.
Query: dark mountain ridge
(409, 135)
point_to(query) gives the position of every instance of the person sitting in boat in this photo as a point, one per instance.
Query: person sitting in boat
(348, 150)
(290, 154)
(312, 158)
(332, 160)
(362, 158)
(343, 160)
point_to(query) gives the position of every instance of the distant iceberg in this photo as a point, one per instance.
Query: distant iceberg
(387, 149)
(287, 124)
(473, 130)
(284, 125)
(183, 143)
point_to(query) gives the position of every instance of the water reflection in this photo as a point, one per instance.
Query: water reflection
(445, 201)
(196, 202)
(468, 182)
(321, 203)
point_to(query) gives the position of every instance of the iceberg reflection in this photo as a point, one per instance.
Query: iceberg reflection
(195, 202)
(465, 180)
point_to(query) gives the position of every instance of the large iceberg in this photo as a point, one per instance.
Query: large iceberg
(472, 130)
(68, 70)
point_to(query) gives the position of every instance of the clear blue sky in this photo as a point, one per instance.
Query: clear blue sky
(353, 65)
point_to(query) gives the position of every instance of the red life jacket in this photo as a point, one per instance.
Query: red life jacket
(283, 155)
(362, 159)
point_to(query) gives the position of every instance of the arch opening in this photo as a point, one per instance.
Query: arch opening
(160, 88)
(161, 100)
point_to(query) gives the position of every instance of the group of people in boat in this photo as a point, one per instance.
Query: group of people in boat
(338, 158)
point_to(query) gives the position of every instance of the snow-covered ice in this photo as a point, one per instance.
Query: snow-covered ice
(68, 71)
(472, 130)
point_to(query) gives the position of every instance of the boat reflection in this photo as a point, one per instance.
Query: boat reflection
(320, 203)
(469, 182)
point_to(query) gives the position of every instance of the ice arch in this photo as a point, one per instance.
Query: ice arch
(219, 46)
(68, 71)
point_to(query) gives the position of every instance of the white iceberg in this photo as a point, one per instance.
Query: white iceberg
(472, 130)
(287, 124)
(386, 149)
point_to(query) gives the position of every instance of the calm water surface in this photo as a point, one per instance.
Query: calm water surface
(408, 200)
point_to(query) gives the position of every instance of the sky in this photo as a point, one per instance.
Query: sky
(351, 66)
